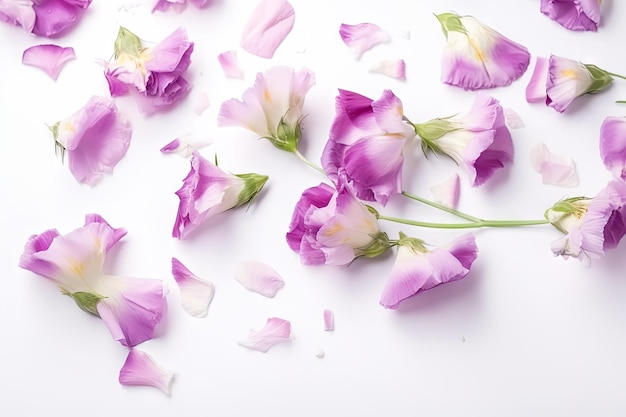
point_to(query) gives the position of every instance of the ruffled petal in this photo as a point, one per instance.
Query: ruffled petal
(573, 14)
(195, 294)
(259, 277)
(362, 37)
(19, 13)
(141, 369)
(613, 146)
(48, 58)
(554, 169)
(267, 27)
(276, 330)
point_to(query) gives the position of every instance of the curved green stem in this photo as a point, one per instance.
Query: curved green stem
(612, 74)
(472, 225)
(309, 163)
(441, 207)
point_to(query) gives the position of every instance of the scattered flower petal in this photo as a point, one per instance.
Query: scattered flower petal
(196, 294)
(613, 146)
(177, 5)
(329, 320)
(447, 192)
(512, 119)
(18, 13)
(49, 58)
(395, 68)
(573, 14)
(185, 145)
(47, 18)
(477, 57)
(140, 369)
(362, 37)
(275, 331)
(230, 64)
(259, 277)
(202, 103)
(554, 169)
(320, 354)
(267, 27)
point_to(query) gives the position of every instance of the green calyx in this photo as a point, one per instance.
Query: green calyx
(287, 136)
(86, 301)
(432, 130)
(379, 244)
(127, 42)
(416, 245)
(55, 135)
(566, 211)
(253, 184)
(450, 22)
(601, 79)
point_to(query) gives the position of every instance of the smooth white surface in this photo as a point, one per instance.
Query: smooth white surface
(524, 334)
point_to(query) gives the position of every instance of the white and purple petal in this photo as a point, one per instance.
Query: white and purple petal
(448, 191)
(267, 27)
(276, 330)
(49, 58)
(554, 169)
(362, 37)
(140, 369)
(613, 146)
(196, 294)
(393, 68)
(230, 64)
(580, 15)
(185, 145)
(259, 277)
(329, 320)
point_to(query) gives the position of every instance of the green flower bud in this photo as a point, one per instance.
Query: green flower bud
(601, 79)
(379, 244)
(287, 136)
(416, 245)
(87, 301)
(127, 42)
(253, 184)
(432, 130)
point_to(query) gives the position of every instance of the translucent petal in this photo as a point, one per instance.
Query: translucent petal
(259, 277)
(140, 369)
(196, 294)
(49, 58)
(276, 330)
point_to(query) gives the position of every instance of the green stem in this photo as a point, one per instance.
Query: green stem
(442, 207)
(309, 163)
(620, 101)
(472, 225)
(616, 75)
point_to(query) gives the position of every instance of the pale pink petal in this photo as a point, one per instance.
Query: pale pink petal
(185, 145)
(536, 89)
(140, 369)
(196, 294)
(49, 58)
(395, 68)
(448, 191)
(230, 64)
(512, 119)
(202, 103)
(329, 320)
(259, 277)
(554, 169)
(362, 37)
(276, 330)
(267, 27)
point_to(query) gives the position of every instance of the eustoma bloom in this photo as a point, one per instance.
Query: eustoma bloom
(558, 81)
(155, 75)
(365, 145)
(273, 107)
(418, 269)
(43, 17)
(479, 141)
(590, 225)
(94, 138)
(613, 146)
(131, 308)
(476, 56)
(208, 190)
(573, 14)
(333, 227)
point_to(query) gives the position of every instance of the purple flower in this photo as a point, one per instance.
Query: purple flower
(590, 225)
(613, 146)
(558, 81)
(207, 191)
(365, 145)
(573, 14)
(155, 75)
(47, 18)
(418, 269)
(131, 308)
(477, 56)
(479, 141)
(333, 227)
(94, 138)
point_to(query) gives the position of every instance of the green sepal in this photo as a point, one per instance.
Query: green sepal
(253, 184)
(55, 135)
(287, 136)
(432, 130)
(86, 301)
(417, 245)
(127, 42)
(601, 79)
(563, 209)
(379, 245)
(450, 22)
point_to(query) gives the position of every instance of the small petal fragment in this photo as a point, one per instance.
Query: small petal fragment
(395, 68)
(512, 119)
(196, 294)
(448, 191)
(185, 145)
(268, 26)
(329, 320)
(276, 330)
(554, 169)
(230, 64)
(362, 37)
(140, 369)
(613, 146)
(49, 58)
(259, 277)
(202, 103)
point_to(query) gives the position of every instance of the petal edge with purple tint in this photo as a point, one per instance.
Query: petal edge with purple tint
(276, 330)
(329, 320)
(140, 369)
(554, 169)
(259, 277)
(49, 58)
(270, 23)
(448, 191)
(613, 146)
(196, 294)
(393, 68)
(362, 36)
(230, 64)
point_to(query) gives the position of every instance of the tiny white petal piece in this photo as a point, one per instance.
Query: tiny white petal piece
(362, 37)
(329, 320)
(554, 169)
(320, 354)
(230, 64)
(184, 146)
(512, 119)
(394, 68)
(49, 58)
(195, 294)
(276, 330)
(259, 277)
(140, 369)
(202, 103)
(448, 191)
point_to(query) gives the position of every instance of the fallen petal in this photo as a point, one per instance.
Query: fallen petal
(259, 277)
(140, 369)
(554, 169)
(536, 89)
(202, 103)
(195, 294)
(329, 320)
(362, 37)
(613, 146)
(268, 26)
(184, 146)
(448, 191)
(49, 58)
(395, 68)
(512, 119)
(276, 330)
(230, 64)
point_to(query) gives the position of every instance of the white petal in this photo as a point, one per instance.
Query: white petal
(230, 64)
(554, 169)
(195, 294)
(202, 103)
(329, 320)
(448, 191)
(259, 277)
(185, 145)
(140, 369)
(362, 37)
(276, 330)
(513, 120)
(395, 68)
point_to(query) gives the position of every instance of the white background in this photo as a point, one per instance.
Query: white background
(524, 334)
